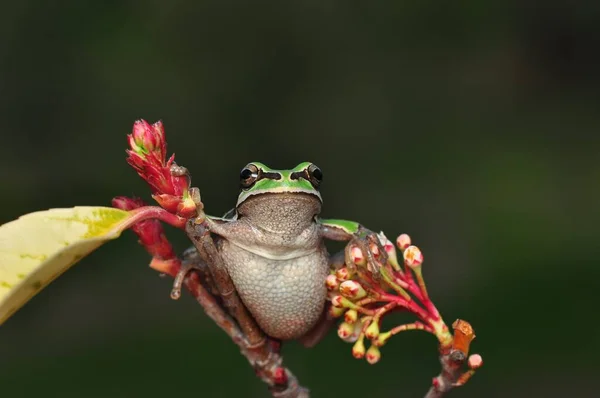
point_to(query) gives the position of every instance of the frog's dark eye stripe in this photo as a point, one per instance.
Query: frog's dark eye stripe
(269, 175)
(312, 173)
(251, 174)
(298, 174)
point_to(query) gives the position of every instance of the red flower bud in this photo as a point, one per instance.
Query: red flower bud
(357, 256)
(475, 361)
(345, 330)
(373, 354)
(331, 282)
(147, 155)
(403, 241)
(413, 257)
(358, 350)
(352, 290)
(146, 139)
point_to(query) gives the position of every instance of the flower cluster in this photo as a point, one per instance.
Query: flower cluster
(363, 297)
(148, 156)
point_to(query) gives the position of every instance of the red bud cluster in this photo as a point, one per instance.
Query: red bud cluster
(363, 299)
(148, 156)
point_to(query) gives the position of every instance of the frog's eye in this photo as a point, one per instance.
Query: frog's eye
(248, 176)
(315, 175)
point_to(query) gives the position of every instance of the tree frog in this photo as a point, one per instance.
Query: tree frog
(272, 245)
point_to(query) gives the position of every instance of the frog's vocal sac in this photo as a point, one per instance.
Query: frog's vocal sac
(273, 247)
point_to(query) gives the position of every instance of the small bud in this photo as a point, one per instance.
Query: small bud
(388, 247)
(345, 330)
(280, 376)
(403, 241)
(374, 250)
(475, 361)
(331, 282)
(373, 354)
(358, 349)
(463, 335)
(413, 257)
(337, 301)
(372, 331)
(187, 208)
(168, 202)
(382, 339)
(353, 290)
(336, 312)
(357, 256)
(343, 274)
(351, 316)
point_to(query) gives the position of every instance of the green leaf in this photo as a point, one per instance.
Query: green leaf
(38, 247)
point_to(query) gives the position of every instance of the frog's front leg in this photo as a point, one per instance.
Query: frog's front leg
(357, 236)
(199, 233)
(198, 230)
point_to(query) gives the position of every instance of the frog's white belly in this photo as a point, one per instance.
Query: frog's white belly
(286, 297)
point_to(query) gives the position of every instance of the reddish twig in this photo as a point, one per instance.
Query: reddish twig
(264, 358)
(170, 185)
(453, 359)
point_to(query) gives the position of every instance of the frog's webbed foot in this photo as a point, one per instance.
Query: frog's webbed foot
(181, 171)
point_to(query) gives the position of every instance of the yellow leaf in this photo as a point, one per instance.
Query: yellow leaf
(38, 247)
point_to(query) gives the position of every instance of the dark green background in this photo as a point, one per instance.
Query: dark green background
(472, 125)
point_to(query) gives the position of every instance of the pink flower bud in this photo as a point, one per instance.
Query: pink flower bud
(146, 139)
(413, 257)
(475, 361)
(343, 274)
(373, 354)
(358, 350)
(336, 312)
(352, 290)
(351, 316)
(338, 301)
(345, 330)
(372, 331)
(331, 282)
(374, 250)
(403, 241)
(357, 256)
(388, 246)
(280, 376)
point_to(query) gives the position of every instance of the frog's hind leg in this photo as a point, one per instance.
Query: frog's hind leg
(191, 260)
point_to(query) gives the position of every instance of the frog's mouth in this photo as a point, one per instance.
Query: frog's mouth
(283, 212)
(294, 190)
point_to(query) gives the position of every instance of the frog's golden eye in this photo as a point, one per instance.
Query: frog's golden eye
(248, 176)
(315, 175)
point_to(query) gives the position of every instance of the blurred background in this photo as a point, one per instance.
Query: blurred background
(472, 126)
